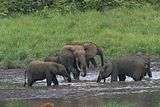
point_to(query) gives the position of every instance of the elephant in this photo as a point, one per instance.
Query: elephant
(132, 66)
(39, 70)
(84, 53)
(66, 58)
(79, 54)
(91, 50)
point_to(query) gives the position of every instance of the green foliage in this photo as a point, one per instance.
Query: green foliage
(100, 5)
(8, 7)
(118, 31)
(22, 6)
(3, 7)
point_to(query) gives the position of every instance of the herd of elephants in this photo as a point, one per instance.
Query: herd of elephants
(75, 58)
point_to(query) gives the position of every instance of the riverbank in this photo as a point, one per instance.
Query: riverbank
(118, 31)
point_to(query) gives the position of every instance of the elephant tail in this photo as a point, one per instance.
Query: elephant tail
(25, 77)
(100, 53)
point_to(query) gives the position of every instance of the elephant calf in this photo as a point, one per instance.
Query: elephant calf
(39, 70)
(132, 66)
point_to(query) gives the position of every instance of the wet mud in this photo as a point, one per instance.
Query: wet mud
(83, 93)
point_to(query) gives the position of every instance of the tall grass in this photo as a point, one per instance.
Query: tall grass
(118, 31)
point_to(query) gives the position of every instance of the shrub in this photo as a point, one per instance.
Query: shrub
(23, 6)
(65, 6)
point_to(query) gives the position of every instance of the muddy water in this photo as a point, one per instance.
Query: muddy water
(84, 93)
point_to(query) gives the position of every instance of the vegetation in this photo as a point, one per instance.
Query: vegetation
(9, 7)
(120, 104)
(118, 31)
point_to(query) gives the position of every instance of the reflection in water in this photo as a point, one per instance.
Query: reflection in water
(133, 100)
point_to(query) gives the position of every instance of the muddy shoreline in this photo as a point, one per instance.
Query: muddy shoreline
(11, 87)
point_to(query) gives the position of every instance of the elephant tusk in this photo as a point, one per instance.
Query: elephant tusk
(78, 66)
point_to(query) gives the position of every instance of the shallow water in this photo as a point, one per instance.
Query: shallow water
(83, 93)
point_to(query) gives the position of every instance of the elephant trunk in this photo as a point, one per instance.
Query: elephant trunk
(99, 79)
(84, 72)
(100, 53)
(82, 67)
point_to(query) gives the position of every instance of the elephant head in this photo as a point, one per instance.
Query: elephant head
(92, 50)
(80, 58)
(105, 71)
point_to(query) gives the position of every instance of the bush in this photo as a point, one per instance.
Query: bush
(68, 6)
(3, 7)
(100, 5)
(155, 3)
(23, 6)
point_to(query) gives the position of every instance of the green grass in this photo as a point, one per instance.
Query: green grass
(118, 31)
(119, 104)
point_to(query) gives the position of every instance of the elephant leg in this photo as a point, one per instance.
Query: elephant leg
(149, 72)
(76, 74)
(93, 61)
(113, 77)
(68, 76)
(122, 77)
(49, 79)
(137, 78)
(30, 82)
(104, 80)
(87, 62)
(54, 79)
(114, 74)
(69, 70)
(141, 77)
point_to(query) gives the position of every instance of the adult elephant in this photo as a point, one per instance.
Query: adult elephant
(66, 58)
(91, 50)
(78, 52)
(132, 66)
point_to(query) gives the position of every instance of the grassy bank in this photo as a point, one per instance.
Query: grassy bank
(119, 31)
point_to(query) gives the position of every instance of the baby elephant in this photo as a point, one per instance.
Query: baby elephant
(39, 70)
(132, 66)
